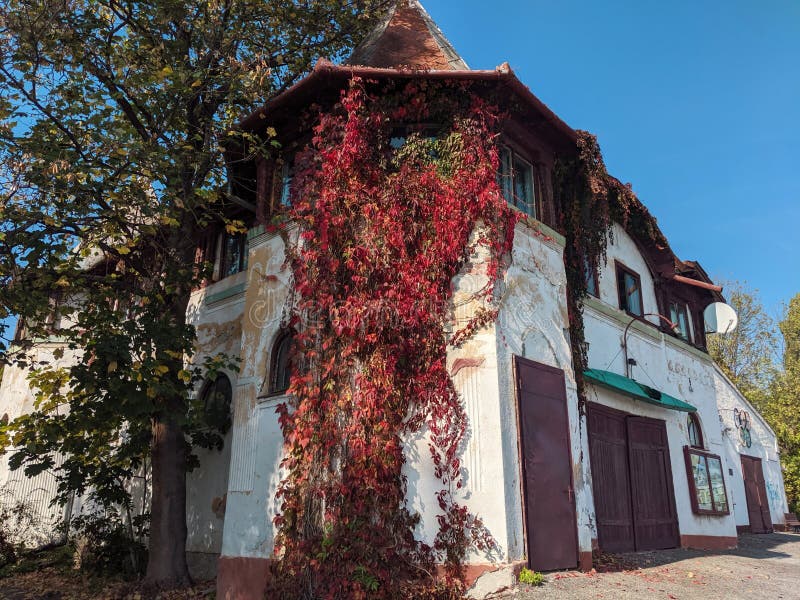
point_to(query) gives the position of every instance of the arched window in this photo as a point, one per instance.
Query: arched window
(280, 370)
(217, 397)
(695, 433)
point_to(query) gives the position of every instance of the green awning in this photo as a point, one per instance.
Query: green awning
(634, 389)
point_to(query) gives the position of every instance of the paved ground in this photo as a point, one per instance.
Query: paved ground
(764, 567)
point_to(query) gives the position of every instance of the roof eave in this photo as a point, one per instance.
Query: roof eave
(323, 68)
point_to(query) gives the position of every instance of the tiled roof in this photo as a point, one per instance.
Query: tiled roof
(407, 38)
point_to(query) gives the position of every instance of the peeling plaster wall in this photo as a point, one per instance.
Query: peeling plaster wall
(533, 323)
(622, 248)
(216, 312)
(474, 371)
(664, 363)
(257, 445)
(764, 446)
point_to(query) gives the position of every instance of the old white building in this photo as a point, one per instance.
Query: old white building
(665, 453)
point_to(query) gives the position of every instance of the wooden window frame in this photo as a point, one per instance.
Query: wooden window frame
(536, 185)
(688, 451)
(272, 383)
(695, 420)
(621, 270)
(681, 305)
(591, 268)
(223, 259)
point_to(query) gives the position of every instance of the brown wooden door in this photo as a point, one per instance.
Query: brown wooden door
(608, 451)
(547, 467)
(755, 491)
(655, 517)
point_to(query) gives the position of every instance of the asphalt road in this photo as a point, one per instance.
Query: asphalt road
(764, 567)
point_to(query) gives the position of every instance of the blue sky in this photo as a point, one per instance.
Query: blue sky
(697, 104)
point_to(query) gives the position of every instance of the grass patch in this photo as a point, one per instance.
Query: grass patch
(531, 577)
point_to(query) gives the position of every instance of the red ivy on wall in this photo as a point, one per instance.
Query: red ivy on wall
(386, 220)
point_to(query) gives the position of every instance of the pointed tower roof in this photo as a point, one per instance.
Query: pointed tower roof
(407, 38)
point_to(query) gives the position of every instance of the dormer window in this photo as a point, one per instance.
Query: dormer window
(517, 181)
(679, 315)
(629, 286)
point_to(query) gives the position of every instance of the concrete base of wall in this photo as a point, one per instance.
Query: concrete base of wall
(709, 542)
(202, 565)
(585, 561)
(240, 578)
(484, 581)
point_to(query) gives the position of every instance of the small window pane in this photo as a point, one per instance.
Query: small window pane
(679, 317)
(287, 175)
(633, 294)
(281, 364)
(591, 279)
(517, 182)
(506, 175)
(695, 437)
(234, 255)
(717, 484)
(702, 483)
(523, 186)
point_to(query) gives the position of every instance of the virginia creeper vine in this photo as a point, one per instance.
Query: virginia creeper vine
(390, 209)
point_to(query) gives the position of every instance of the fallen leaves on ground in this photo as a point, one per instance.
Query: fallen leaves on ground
(58, 584)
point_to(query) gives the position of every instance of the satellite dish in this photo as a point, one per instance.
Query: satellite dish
(720, 318)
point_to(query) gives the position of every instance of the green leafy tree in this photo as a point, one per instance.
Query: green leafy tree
(747, 355)
(114, 117)
(783, 409)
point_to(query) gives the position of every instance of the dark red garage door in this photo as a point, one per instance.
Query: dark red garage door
(755, 491)
(632, 481)
(551, 525)
(608, 449)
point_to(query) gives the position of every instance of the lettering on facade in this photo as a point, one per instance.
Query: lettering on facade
(701, 378)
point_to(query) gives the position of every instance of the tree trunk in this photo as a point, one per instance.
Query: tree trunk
(166, 566)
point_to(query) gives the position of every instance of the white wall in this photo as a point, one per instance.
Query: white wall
(257, 444)
(764, 446)
(670, 365)
(622, 248)
(16, 399)
(533, 323)
(216, 312)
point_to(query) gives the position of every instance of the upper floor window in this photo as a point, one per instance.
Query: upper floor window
(590, 275)
(629, 286)
(280, 371)
(232, 254)
(286, 177)
(679, 316)
(517, 181)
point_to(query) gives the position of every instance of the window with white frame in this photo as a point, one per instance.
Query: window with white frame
(679, 315)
